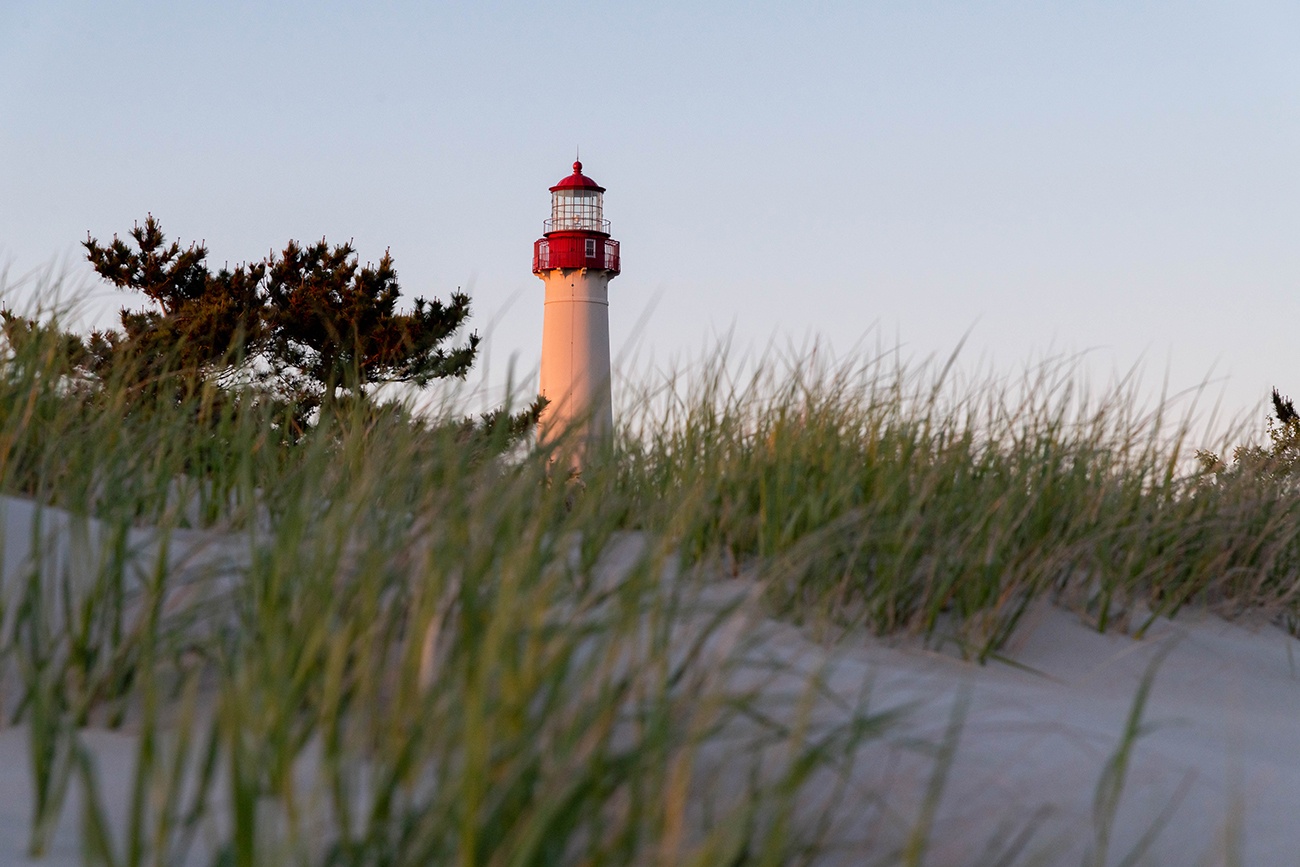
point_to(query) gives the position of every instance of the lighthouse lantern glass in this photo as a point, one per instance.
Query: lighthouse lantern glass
(581, 210)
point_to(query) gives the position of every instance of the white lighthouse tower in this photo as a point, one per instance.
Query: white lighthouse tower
(576, 259)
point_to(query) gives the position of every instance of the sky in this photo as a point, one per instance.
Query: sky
(1113, 179)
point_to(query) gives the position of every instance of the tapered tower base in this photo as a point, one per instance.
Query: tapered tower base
(575, 359)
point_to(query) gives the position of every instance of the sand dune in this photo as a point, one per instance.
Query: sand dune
(1216, 770)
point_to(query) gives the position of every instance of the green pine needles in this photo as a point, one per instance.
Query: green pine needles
(310, 326)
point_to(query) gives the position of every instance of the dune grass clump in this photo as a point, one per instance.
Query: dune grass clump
(375, 643)
(896, 498)
(390, 640)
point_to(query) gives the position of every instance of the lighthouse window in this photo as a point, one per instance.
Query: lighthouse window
(577, 209)
(591, 248)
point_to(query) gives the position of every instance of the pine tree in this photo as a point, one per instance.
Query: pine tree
(334, 323)
(324, 325)
(204, 323)
(311, 326)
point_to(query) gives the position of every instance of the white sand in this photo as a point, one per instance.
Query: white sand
(1223, 729)
(1221, 743)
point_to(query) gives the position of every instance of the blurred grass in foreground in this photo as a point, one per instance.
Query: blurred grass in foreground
(423, 658)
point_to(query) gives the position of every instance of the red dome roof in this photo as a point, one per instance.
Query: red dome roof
(578, 181)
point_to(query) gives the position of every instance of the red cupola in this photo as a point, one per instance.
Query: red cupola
(577, 234)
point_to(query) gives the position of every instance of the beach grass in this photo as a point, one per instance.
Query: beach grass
(376, 644)
(873, 494)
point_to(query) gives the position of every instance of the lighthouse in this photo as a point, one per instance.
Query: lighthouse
(576, 258)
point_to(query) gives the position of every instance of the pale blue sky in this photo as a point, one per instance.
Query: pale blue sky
(1119, 177)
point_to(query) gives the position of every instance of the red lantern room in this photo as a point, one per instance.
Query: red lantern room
(577, 233)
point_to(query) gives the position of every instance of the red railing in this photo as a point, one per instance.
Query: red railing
(574, 223)
(574, 252)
